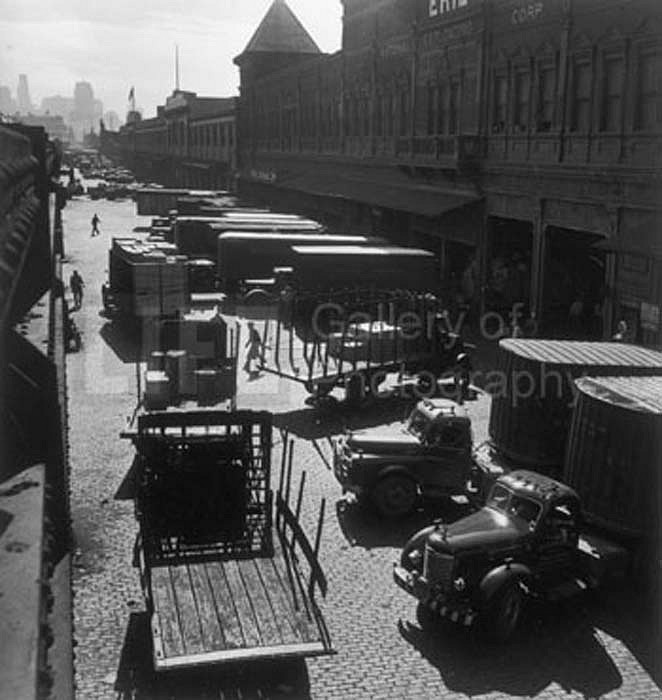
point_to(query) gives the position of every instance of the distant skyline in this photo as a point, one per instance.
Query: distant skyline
(122, 44)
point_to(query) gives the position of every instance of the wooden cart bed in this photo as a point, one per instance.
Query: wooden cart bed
(215, 611)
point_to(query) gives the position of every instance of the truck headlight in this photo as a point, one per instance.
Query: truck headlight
(459, 584)
(415, 557)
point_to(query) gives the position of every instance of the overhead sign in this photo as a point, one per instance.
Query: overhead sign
(438, 7)
(527, 13)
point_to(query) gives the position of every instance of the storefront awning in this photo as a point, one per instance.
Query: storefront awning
(395, 191)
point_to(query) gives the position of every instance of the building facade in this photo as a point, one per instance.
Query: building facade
(190, 143)
(520, 140)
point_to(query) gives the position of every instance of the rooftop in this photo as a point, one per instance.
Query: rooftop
(280, 32)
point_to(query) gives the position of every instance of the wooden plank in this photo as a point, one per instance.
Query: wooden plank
(212, 635)
(290, 651)
(266, 622)
(284, 613)
(242, 604)
(189, 618)
(226, 613)
(166, 610)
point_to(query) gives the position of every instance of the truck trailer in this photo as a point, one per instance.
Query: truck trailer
(380, 267)
(253, 256)
(220, 555)
(197, 236)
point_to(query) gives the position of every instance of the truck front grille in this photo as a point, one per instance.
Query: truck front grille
(438, 568)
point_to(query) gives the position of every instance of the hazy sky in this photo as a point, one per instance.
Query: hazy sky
(115, 44)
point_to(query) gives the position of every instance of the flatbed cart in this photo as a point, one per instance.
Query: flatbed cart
(360, 355)
(226, 569)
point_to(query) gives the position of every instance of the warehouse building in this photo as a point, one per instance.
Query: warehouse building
(520, 141)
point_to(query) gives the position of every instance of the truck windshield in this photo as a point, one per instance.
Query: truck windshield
(417, 424)
(504, 500)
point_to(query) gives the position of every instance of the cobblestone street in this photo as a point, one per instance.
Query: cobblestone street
(586, 648)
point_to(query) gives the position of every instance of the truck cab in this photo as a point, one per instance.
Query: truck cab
(391, 466)
(525, 541)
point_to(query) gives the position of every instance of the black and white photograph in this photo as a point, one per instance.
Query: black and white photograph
(331, 350)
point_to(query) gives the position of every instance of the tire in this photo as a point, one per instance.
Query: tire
(505, 612)
(394, 496)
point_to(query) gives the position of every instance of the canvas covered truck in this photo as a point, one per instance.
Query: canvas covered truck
(613, 458)
(197, 236)
(226, 569)
(380, 266)
(249, 258)
(535, 394)
(159, 201)
(528, 542)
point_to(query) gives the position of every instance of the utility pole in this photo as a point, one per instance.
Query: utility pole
(176, 67)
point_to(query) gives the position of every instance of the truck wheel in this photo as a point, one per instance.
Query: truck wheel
(395, 495)
(505, 612)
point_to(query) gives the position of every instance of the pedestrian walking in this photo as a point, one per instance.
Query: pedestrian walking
(254, 345)
(95, 225)
(76, 285)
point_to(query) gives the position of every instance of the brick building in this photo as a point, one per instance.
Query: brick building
(190, 142)
(520, 140)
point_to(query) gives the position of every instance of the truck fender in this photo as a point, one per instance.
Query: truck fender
(494, 580)
(417, 541)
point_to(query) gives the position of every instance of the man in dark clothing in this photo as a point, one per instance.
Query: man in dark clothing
(76, 284)
(95, 225)
(254, 345)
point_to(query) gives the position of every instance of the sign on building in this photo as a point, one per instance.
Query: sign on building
(438, 7)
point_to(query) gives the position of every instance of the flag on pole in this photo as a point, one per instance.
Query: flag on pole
(131, 93)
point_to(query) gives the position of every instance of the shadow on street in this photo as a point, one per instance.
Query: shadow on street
(334, 417)
(268, 680)
(124, 340)
(559, 644)
(362, 526)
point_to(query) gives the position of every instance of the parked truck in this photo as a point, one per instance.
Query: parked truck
(613, 458)
(527, 542)
(250, 256)
(532, 408)
(159, 201)
(392, 467)
(220, 555)
(355, 338)
(197, 236)
(381, 266)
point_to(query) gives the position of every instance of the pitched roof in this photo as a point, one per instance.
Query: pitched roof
(281, 32)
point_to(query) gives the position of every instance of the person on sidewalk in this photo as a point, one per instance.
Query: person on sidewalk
(95, 225)
(76, 285)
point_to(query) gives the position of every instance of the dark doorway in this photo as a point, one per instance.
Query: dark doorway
(508, 279)
(574, 288)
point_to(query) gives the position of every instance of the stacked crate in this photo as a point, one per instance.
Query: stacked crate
(174, 285)
(148, 278)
